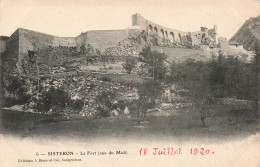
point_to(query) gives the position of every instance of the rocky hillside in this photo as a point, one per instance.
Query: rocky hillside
(248, 33)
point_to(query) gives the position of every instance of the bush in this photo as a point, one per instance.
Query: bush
(148, 93)
(222, 77)
(56, 99)
(130, 64)
(77, 104)
(104, 103)
(17, 87)
(106, 79)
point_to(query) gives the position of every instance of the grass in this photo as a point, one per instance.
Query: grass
(180, 123)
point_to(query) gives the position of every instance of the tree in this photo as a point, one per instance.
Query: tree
(18, 88)
(256, 78)
(104, 103)
(155, 62)
(130, 64)
(56, 99)
(194, 76)
(148, 93)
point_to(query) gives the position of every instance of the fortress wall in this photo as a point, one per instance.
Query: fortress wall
(181, 54)
(223, 43)
(133, 32)
(146, 25)
(64, 41)
(3, 41)
(80, 40)
(10, 57)
(103, 39)
(31, 40)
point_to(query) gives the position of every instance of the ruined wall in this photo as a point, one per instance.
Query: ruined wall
(196, 38)
(32, 40)
(223, 43)
(213, 34)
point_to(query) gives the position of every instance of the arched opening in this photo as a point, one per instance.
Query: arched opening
(156, 30)
(150, 28)
(172, 38)
(166, 34)
(162, 33)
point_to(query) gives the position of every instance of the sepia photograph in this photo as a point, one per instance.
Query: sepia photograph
(130, 83)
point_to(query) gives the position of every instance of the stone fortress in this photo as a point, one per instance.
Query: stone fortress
(25, 40)
(53, 52)
(112, 42)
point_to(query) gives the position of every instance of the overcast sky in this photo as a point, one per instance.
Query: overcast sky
(69, 18)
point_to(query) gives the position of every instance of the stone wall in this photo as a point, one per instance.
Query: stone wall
(213, 34)
(102, 39)
(148, 26)
(3, 41)
(223, 44)
(196, 38)
(180, 54)
(32, 40)
(173, 34)
(11, 55)
(22, 40)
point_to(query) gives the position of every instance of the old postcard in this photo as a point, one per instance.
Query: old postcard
(129, 83)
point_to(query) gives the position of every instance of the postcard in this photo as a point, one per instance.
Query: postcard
(141, 83)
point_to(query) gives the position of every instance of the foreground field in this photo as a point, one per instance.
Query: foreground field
(182, 123)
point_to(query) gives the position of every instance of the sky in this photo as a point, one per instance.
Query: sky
(67, 18)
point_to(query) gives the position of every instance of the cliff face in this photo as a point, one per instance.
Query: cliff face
(248, 33)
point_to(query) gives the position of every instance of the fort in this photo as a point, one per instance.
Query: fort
(179, 45)
(23, 40)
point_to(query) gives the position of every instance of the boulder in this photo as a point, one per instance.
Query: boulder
(126, 110)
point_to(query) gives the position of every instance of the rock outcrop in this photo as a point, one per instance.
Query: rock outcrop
(248, 33)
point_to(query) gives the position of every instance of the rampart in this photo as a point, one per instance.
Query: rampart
(172, 34)
(102, 39)
(22, 40)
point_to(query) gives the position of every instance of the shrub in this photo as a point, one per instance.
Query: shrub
(130, 64)
(77, 104)
(56, 99)
(155, 62)
(104, 103)
(106, 79)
